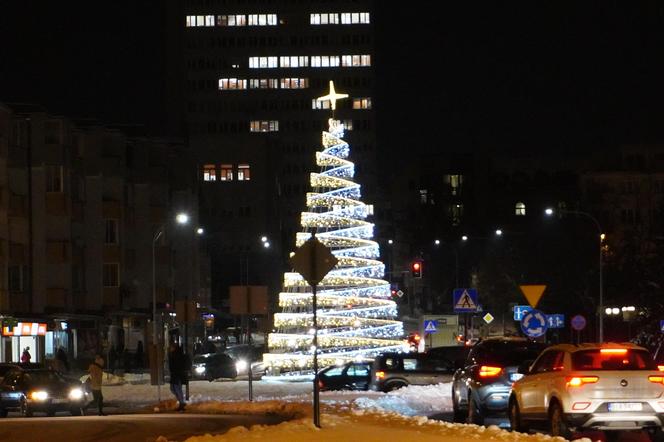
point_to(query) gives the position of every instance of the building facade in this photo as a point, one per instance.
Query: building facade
(252, 72)
(81, 203)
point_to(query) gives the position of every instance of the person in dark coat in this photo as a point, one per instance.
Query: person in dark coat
(177, 365)
(61, 356)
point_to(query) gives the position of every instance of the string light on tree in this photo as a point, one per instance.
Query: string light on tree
(356, 313)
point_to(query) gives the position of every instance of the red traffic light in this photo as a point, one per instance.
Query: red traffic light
(416, 269)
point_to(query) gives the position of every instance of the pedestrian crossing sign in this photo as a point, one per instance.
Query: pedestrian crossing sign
(430, 326)
(465, 300)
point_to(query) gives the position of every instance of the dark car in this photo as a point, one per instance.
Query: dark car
(42, 390)
(353, 375)
(245, 354)
(457, 354)
(391, 371)
(211, 366)
(481, 388)
(6, 367)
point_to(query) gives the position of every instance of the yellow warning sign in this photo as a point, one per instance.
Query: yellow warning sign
(533, 293)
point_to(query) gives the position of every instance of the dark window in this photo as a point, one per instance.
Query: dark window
(549, 361)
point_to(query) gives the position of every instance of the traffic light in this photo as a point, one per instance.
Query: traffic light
(416, 269)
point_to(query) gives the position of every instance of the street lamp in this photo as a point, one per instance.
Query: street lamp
(549, 212)
(180, 218)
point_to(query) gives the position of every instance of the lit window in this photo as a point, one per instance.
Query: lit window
(348, 124)
(263, 62)
(190, 21)
(263, 83)
(209, 172)
(317, 104)
(264, 126)
(361, 103)
(294, 83)
(232, 83)
(455, 182)
(243, 172)
(111, 275)
(293, 61)
(226, 172)
(355, 60)
(54, 179)
(424, 196)
(520, 209)
(456, 213)
(232, 20)
(354, 18)
(262, 19)
(200, 20)
(111, 231)
(209, 20)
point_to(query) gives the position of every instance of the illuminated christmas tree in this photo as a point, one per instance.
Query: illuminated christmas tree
(356, 316)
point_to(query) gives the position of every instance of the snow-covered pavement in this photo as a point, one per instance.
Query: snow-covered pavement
(346, 416)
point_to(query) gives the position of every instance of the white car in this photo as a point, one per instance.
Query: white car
(589, 386)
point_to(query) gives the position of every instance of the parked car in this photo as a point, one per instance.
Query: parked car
(6, 367)
(354, 375)
(211, 366)
(42, 390)
(482, 386)
(455, 353)
(391, 371)
(589, 386)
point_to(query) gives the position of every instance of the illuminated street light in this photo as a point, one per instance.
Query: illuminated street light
(499, 232)
(464, 238)
(437, 242)
(549, 211)
(390, 242)
(200, 231)
(181, 218)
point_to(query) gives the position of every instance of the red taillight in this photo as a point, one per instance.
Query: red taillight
(613, 351)
(656, 379)
(321, 384)
(380, 375)
(487, 371)
(577, 381)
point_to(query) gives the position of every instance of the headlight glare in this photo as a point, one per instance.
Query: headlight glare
(38, 395)
(241, 365)
(199, 370)
(76, 393)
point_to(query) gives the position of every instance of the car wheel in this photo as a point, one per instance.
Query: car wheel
(3, 412)
(558, 425)
(76, 411)
(26, 411)
(394, 386)
(457, 415)
(515, 417)
(474, 413)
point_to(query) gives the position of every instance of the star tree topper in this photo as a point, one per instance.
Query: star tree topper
(332, 97)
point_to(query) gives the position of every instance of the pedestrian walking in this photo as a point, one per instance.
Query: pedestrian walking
(25, 356)
(96, 370)
(61, 357)
(177, 365)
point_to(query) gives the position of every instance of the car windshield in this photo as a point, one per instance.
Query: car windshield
(43, 377)
(612, 359)
(505, 353)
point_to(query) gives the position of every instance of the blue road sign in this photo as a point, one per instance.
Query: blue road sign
(534, 324)
(464, 300)
(578, 322)
(430, 326)
(520, 310)
(661, 325)
(555, 321)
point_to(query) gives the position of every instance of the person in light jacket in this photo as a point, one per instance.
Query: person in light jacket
(96, 370)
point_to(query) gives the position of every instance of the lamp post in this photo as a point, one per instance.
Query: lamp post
(180, 218)
(600, 309)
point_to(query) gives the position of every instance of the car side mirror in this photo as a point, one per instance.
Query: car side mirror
(524, 368)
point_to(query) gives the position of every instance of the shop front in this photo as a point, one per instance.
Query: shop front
(18, 337)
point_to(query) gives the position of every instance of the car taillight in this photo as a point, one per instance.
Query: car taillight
(613, 351)
(660, 367)
(321, 384)
(577, 381)
(486, 371)
(380, 375)
(656, 379)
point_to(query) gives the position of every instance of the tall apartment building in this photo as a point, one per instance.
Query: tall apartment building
(79, 206)
(252, 72)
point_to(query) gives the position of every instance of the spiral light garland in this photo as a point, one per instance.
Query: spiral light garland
(356, 316)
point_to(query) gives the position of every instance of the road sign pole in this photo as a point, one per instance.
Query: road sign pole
(315, 307)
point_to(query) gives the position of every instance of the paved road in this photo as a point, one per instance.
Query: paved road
(123, 428)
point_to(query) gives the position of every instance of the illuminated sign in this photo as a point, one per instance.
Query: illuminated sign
(25, 329)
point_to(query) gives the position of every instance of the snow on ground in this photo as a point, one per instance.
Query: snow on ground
(364, 416)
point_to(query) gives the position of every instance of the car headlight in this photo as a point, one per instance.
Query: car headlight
(39, 395)
(76, 393)
(199, 370)
(241, 365)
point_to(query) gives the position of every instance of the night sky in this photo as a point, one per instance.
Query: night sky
(523, 75)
